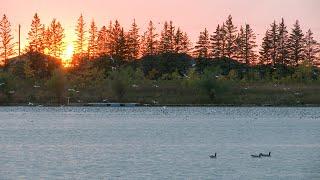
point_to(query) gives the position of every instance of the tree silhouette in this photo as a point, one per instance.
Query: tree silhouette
(231, 35)
(202, 49)
(92, 44)
(6, 44)
(246, 44)
(283, 44)
(55, 35)
(269, 51)
(133, 41)
(149, 41)
(311, 48)
(218, 42)
(81, 36)
(296, 45)
(166, 43)
(103, 41)
(36, 36)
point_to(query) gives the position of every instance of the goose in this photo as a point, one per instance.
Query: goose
(213, 156)
(257, 156)
(266, 155)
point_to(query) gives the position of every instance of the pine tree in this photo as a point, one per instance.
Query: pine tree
(240, 42)
(171, 35)
(81, 36)
(178, 38)
(282, 47)
(185, 44)
(55, 35)
(102, 41)
(121, 50)
(114, 38)
(93, 45)
(296, 45)
(202, 49)
(110, 39)
(36, 35)
(150, 42)
(311, 48)
(133, 42)
(181, 42)
(164, 39)
(273, 37)
(231, 36)
(249, 45)
(269, 47)
(218, 42)
(265, 57)
(6, 44)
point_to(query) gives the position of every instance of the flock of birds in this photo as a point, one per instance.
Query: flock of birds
(260, 155)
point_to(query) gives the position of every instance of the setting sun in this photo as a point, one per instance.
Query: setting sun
(67, 54)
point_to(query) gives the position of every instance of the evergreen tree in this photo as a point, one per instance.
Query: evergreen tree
(218, 42)
(110, 39)
(311, 48)
(171, 36)
(265, 57)
(121, 50)
(6, 44)
(81, 36)
(167, 38)
(273, 37)
(36, 36)
(249, 45)
(240, 42)
(282, 47)
(150, 42)
(296, 45)
(93, 45)
(202, 49)
(103, 41)
(269, 47)
(55, 35)
(178, 39)
(133, 42)
(231, 35)
(181, 42)
(185, 44)
(114, 38)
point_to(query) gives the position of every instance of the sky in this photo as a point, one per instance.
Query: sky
(191, 15)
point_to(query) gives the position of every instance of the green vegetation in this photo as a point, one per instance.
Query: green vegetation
(160, 79)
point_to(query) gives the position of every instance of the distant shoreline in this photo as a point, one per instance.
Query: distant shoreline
(155, 105)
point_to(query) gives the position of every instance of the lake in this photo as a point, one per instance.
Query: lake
(159, 143)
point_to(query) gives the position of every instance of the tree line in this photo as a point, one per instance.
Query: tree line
(278, 45)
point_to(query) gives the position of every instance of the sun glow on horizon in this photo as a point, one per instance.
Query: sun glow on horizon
(67, 54)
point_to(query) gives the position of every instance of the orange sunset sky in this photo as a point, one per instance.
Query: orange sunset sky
(192, 16)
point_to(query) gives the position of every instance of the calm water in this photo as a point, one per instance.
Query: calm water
(158, 143)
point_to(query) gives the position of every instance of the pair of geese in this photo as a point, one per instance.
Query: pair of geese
(254, 156)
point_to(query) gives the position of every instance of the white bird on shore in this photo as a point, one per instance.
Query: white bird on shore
(135, 86)
(1, 84)
(36, 86)
(156, 86)
(30, 104)
(111, 58)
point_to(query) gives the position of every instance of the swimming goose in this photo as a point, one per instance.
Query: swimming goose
(257, 156)
(213, 156)
(266, 155)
